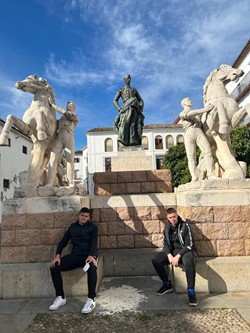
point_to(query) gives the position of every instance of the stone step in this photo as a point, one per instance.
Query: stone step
(33, 280)
(214, 274)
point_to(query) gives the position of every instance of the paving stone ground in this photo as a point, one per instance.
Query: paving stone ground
(193, 321)
(130, 304)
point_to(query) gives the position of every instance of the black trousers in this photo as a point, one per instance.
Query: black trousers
(68, 263)
(160, 260)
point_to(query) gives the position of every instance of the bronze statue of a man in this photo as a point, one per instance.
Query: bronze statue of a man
(129, 122)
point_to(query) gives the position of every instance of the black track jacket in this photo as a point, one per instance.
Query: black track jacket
(83, 239)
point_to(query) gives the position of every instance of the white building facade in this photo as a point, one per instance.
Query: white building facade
(240, 89)
(13, 160)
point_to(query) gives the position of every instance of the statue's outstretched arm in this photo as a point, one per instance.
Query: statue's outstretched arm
(56, 107)
(196, 112)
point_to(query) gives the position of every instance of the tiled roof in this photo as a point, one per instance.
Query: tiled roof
(242, 55)
(152, 126)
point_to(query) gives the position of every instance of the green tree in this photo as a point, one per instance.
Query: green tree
(240, 138)
(176, 160)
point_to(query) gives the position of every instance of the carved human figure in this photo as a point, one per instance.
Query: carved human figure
(194, 136)
(129, 122)
(64, 141)
(62, 172)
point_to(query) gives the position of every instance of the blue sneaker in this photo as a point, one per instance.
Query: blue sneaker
(192, 297)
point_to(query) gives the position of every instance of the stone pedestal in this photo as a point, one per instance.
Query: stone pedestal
(216, 192)
(219, 213)
(32, 227)
(30, 232)
(131, 159)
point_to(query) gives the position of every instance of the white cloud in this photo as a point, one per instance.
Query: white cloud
(168, 46)
(70, 73)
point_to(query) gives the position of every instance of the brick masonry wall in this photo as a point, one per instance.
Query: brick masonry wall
(218, 231)
(33, 237)
(124, 182)
(130, 227)
(222, 231)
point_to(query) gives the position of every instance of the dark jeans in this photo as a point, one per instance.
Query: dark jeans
(160, 260)
(68, 263)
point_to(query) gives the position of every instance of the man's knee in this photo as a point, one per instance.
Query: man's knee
(92, 268)
(155, 258)
(158, 258)
(55, 268)
(188, 258)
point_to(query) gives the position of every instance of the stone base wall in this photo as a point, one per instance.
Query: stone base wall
(130, 227)
(32, 238)
(132, 182)
(134, 221)
(126, 222)
(219, 231)
(32, 227)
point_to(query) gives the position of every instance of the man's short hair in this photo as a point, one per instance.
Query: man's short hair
(85, 210)
(171, 210)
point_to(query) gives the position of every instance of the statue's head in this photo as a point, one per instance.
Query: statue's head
(186, 102)
(71, 106)
(127, 78)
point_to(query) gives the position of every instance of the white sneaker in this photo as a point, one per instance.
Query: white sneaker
(58, 302)
(88, 306)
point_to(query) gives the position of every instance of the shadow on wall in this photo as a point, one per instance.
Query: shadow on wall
(128, 225)
(206, 253)
(131, 214)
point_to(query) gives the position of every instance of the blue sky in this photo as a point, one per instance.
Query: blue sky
(85, 47)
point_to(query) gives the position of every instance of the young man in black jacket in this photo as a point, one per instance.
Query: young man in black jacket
(178, 247)
(83, 236)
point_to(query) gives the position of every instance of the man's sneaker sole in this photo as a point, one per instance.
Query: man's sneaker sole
(168, 291)
(88, 311)
(193, 303)
(53, 307)
(89, 308)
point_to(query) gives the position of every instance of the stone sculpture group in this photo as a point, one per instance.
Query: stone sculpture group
(49, 136)
(220, 115)
(209, 128)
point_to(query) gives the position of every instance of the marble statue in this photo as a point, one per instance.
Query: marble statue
(39, 122)
(64, 141)
(219, 121)
(129, 122)
(195, 136)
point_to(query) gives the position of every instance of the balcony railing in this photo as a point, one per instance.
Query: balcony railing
(241, 88)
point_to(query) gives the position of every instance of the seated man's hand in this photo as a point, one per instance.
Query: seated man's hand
(170, 258)
(92, 259)
(57, 259)
(175, 261)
